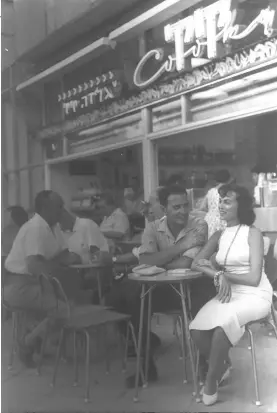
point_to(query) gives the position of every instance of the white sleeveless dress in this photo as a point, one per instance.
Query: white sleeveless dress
(247, 303)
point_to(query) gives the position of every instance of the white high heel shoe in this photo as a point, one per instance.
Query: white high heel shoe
(209, 399)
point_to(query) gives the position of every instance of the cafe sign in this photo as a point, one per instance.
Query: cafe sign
(201, 33)
(91, 93)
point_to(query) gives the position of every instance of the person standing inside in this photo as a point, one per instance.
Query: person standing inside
(211, 202)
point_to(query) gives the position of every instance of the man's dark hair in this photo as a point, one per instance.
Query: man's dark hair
(175, 179)
(246, 214)
(18, 215)
(41, 198)
(222, 176)
(164, 193)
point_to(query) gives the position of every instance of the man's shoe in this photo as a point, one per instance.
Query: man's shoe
(25, 355)
(152, 377)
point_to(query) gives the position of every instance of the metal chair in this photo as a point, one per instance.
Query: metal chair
(269, 320)
(82, 321)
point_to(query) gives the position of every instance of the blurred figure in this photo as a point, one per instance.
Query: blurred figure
(211, 202)
(255, 180)
(176, 179)
(18, 218)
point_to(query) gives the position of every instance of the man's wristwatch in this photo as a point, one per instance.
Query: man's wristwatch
(114, 259)
(217, 277)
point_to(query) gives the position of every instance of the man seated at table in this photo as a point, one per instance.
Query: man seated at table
(171, 242)
(83, 237)
(38, 248)
(115, 225)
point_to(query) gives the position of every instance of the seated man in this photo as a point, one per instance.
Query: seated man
(83, 237)
(38, 249)
(171, 242)
(115, 225)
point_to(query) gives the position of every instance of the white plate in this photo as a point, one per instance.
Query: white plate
(179, 271)
(147, 270)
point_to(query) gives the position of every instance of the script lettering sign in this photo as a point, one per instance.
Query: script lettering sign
(198, 35)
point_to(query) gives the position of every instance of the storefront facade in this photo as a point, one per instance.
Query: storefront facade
(200, 79)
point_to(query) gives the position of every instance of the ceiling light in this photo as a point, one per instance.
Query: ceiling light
(6, 50)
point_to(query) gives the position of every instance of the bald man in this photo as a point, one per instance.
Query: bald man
(38, 248)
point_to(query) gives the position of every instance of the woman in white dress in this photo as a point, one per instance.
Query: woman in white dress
(211, 203)
(244, 292)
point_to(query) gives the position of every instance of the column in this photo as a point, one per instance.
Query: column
(149, 156)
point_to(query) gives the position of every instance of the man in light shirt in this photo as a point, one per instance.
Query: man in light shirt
(115, 225)
(83, 237)
(38, 248)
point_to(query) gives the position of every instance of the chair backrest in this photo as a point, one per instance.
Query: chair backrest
(59, 291)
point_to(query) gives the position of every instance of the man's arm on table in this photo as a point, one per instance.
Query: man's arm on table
(149, 253)
(195, 240)
(189, 246)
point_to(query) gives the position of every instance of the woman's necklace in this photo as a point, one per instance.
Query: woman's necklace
(230, 246)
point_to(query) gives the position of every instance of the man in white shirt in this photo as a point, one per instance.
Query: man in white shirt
(83, 237)
(115, 225)
(38, 248)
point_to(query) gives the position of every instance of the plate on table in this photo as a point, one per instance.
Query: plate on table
(178, 272)
(147, 270)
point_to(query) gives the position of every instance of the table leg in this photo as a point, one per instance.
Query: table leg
(99, 286)
(188, 341)
(139, 341)
(148, 335)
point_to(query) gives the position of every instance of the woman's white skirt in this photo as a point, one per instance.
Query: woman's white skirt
(232, 316)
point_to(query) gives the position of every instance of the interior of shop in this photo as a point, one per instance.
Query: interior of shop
(237, 146)
(80, 181)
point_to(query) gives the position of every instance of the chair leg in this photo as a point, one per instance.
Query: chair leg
(42, 351)
(14, 339)
(254, 363)
(75, 359)
(58, 357)
(124, 346)
(87, 336)
(107, 358)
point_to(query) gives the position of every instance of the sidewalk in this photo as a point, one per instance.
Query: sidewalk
(23, 390)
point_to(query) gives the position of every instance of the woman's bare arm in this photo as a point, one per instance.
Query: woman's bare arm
(205, 254)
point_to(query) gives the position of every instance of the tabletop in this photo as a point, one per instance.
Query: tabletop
(165, 278)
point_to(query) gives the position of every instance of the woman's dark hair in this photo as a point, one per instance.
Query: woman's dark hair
(164, 193)
(246, 214)
(222, 176)
(109, 198)
(18, 215)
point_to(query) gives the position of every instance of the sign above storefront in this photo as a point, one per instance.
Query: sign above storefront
(199, 34)
(93, 92)
(251, 57)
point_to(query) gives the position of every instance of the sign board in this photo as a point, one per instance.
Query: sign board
(90, 94)
(199, 35)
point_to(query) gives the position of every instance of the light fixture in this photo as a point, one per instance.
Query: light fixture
(6, 50)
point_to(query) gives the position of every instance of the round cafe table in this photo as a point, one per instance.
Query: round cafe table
(179, 283)
(93, 268)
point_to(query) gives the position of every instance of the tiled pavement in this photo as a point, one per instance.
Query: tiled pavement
(24, 391)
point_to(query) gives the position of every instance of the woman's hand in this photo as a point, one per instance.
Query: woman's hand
(225, 293)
